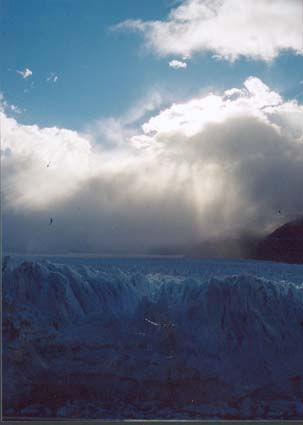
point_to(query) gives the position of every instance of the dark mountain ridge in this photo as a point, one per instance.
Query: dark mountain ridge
(283, 244)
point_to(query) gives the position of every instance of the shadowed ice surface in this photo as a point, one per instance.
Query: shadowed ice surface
(152, 338)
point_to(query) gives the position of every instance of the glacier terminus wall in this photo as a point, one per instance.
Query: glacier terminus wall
(152, 339)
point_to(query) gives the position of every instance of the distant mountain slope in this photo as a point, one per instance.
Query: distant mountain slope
(229, 248)
(284, 244)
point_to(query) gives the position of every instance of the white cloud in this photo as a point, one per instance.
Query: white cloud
(257, 29)
(213, 165)
(25, 73)
(30, 150)
(16, 109)
(177, 64)
(5, 106)
(151, 102)
(193, 116)
(113, 132)
(53, 78)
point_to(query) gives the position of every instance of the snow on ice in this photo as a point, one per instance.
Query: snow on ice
(152, 338)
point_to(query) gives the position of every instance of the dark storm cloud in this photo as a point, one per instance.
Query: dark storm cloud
(212, 167)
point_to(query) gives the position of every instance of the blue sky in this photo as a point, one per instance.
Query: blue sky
(102, 73)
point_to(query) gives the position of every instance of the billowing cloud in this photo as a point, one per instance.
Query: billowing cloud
(31, 149)
(177, 64)
(213, 166)
(25, 73)
(227, 28)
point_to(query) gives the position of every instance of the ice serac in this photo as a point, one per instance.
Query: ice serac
(86, 342)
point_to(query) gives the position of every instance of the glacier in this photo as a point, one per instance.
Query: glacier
(152, 338)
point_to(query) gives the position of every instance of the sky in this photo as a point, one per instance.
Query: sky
(138, 124)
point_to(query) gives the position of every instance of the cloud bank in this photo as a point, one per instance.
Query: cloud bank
(256, 29)
(213, 166)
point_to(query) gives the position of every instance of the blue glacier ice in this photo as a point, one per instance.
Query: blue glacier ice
(152, 339)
